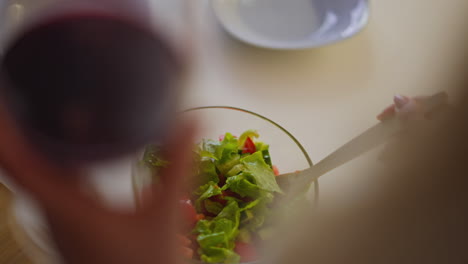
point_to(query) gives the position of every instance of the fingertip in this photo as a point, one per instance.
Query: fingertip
(386, 114)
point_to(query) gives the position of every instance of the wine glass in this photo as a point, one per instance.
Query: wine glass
(87, 81)
(94, 79)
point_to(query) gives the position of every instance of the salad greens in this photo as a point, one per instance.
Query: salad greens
(152, 158)
(248, 176)
(236, 187)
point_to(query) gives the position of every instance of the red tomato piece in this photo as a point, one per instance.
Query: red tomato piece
(219, 199)
(249, 146)
(275, 170)
(200, 217)
(222, 180)
(247, 252)
(230, 193)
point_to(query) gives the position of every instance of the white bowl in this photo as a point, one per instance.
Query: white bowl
(291, 24)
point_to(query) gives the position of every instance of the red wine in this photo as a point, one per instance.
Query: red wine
(89, 86)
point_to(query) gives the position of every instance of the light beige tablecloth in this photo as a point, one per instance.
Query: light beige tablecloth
(10, 251)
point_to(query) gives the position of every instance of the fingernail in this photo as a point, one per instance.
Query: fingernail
(400, 101)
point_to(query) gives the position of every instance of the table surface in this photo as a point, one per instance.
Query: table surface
(10, 251)
(324, 96)
(329, 95)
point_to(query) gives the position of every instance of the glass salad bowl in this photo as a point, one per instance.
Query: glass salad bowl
(286, 152)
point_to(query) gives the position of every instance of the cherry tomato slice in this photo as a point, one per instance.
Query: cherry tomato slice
(275, 170)
(249, 146)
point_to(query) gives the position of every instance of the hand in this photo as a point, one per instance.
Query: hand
(414, 108)
(84, 230)
(411, 109)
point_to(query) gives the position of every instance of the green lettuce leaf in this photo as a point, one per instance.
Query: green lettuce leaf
(207, 156)
(217, 236)
(206, 191)
(206, 162)
(260, 146)
(257, 218)
(212, 239)
(242, 185)
(262, 173)
(230, 198)
(247, 134)
(250, 205)
(231, 212)
(210, 146)
(228, 154)
(220, 255)
(213, 207)
(207, 172)
(257, 212)
(203, 227)
(265, 149)
(235, 170)
(227, 222)
(152, 158)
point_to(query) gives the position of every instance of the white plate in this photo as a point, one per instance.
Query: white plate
(291, 24)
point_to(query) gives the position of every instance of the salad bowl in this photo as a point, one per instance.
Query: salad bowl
(219, 127)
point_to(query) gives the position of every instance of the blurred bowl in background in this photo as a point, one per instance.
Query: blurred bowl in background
(291, 24)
